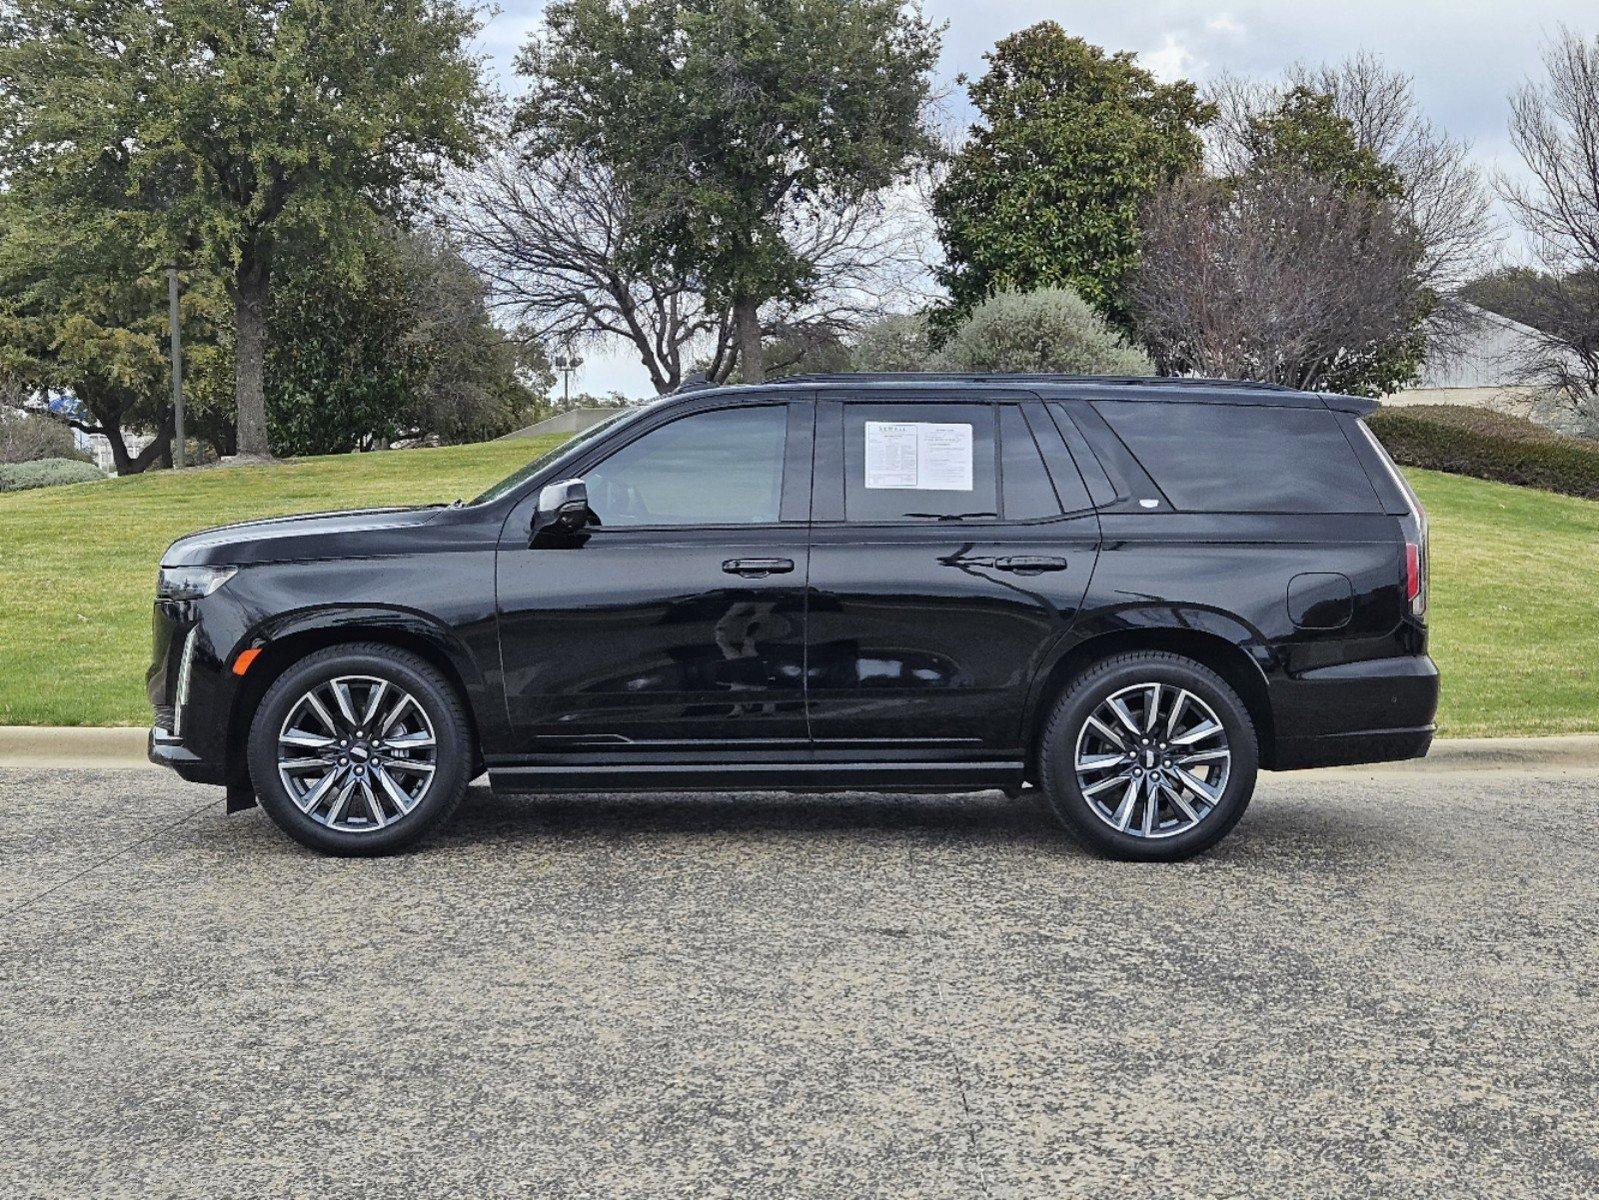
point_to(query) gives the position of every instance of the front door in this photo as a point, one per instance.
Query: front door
(675, 627)
(953, 544)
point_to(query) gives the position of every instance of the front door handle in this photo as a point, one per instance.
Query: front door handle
(1030, 564)
(754, 568)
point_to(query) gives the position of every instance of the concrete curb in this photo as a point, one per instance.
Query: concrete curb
(72, 746)
(50, 746)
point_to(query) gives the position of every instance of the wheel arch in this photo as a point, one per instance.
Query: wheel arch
(287, 640)
(1227, 658)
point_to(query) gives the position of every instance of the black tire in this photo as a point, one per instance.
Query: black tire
(453, 752)
(1094, 687)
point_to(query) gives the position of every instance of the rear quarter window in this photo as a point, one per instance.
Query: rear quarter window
(1244, 458)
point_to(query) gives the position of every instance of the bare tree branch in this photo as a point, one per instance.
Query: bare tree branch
(1554, 126)
(1277, 276)
(1445, 201)
(552, 236)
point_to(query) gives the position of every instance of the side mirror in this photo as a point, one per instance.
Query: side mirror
(563, 507)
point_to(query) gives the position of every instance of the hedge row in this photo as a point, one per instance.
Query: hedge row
(46, 472)
(1489, 445)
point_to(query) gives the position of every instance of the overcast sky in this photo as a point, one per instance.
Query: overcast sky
(1465, 57)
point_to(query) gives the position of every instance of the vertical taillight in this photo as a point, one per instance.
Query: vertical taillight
(1416, 566)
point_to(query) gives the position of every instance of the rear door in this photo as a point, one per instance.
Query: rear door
(953, 542)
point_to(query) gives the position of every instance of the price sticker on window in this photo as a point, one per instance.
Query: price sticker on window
(919, 455)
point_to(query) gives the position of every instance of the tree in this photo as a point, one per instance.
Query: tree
(1554, 126)
(480, 381)
(83, 317)
(400, 348)
(899, 342)
(1047, 191)
(760, 111)
(1441, 195)
(1512, 291)
(1280, 276)
(1304, 134)
(1051, 329)
(233, 121)
(552, 237)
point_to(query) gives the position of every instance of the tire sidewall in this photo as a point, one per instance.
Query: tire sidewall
(432, 692)
(1060, 750)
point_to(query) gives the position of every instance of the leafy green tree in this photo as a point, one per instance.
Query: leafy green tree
(83, 310)
(1306, 134)
(235, 121)
(723, 119)
(339, 369)
(399, 347)
(1070, 143)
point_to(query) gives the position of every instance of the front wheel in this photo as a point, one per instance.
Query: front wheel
(1149, 756)
(360, 750)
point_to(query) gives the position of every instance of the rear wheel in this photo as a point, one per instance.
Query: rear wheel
(360, 750)
(1149, 756)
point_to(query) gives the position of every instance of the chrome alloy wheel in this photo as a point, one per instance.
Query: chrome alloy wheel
(356, 753)
(1152, 760)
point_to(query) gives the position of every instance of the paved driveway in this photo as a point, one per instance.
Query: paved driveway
(1381, 985)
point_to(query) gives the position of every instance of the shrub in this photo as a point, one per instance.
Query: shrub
(902, 342)
(1489, 445)
(46, 472)
(26, 438)
(1051, 329)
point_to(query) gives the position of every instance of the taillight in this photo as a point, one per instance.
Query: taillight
(1416, 571)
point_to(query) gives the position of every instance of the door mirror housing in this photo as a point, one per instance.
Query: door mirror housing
(563, 507)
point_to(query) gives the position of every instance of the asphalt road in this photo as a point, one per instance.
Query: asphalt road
(1380, 985)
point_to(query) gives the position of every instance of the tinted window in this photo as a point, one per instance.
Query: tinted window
(713, 468)
(1243, 458)
(1029, 494)
(911, 462)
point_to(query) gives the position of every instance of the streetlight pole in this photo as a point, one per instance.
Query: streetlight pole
(567, 363)
(179, 445)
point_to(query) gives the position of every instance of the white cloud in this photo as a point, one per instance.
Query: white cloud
(1224, 23)
(1172, 61)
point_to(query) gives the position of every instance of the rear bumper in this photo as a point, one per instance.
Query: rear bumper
(1381, 710)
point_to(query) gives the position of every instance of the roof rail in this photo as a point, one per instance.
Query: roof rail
(697, 381)
(1177, 381)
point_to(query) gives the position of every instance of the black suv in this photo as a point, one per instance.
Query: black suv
(1131, 593)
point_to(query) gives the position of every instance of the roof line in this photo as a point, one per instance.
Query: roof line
(1172, 381)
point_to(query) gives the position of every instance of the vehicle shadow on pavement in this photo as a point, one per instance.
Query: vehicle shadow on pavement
(1286, 830)
(988, 814)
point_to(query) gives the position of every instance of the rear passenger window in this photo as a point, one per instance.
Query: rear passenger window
(1243, 458)
(909, 462)
(1025, 482)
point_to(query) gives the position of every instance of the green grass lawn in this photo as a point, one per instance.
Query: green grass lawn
(78, 563)
(1515, 596)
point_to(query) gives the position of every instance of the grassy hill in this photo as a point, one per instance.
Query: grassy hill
(1515, 597)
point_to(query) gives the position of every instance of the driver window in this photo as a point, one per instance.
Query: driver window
(712, 468)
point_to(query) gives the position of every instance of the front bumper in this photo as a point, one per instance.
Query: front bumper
(190, 690)
(1381, 710)
(166, 750)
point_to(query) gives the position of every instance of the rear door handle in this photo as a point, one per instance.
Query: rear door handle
(756, 567)
(1030, 564)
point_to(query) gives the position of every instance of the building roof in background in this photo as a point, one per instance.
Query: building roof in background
(1489, 358)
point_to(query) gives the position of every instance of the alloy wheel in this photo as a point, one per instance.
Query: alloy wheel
(356, 753)
(1152, 760)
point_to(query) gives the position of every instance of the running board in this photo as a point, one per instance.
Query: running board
(757, 776)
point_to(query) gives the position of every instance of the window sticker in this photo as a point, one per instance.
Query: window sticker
(918, 454)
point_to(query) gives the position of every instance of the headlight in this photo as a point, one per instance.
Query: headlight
(191, 583)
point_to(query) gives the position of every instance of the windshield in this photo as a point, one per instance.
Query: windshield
(515, 480)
